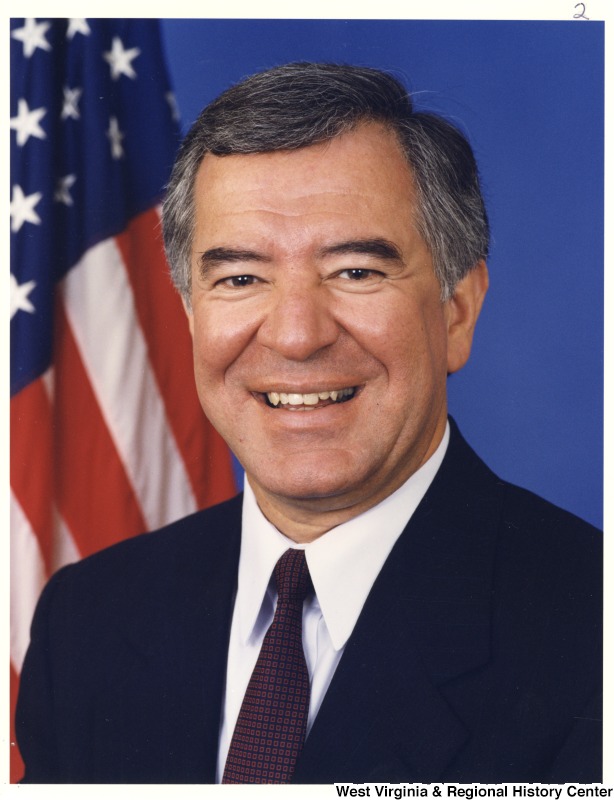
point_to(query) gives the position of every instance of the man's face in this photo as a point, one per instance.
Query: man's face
(321, 346)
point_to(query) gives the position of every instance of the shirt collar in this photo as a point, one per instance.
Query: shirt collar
(343, 563)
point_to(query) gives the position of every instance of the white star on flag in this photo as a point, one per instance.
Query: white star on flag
(19, 296)
(32, 35)
(70, 107)
(62, 191)
(76, 25)
(115, 137)
(22, 208)
(26, 122)
(120, 59)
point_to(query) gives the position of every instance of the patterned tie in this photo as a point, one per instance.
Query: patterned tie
(270, 730)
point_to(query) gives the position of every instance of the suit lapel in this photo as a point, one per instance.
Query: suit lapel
(382, 718)
(426, 621)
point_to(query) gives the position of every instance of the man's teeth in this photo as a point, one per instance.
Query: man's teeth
(309, 399)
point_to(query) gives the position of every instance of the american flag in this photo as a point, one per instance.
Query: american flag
(107, 437)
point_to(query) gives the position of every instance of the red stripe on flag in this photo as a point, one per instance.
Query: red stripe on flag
(32, 462)
(163, 322)
(93, 491)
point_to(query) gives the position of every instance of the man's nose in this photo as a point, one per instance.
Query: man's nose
(299, 322)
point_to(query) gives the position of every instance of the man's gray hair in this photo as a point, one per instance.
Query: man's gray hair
(297, 105)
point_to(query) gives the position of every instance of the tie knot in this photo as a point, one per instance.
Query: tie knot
(292, 577)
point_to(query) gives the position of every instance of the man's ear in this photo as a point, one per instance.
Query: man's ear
(462, 311)
(187, 307)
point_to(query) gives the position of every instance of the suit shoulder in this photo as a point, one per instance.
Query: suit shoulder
(534, 541)
(184, 549)
(550, 568)
(526, 514)
(522, 512)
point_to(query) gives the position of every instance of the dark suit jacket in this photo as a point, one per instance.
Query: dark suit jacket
(477, 656)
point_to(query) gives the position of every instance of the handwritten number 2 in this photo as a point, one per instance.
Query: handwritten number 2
(581, 14)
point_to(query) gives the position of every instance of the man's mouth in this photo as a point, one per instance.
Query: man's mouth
(293, 401)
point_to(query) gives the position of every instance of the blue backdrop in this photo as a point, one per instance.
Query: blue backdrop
(530, 97)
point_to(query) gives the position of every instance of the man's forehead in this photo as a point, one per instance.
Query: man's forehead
(354, 188)
(371, 146)
(368, 155)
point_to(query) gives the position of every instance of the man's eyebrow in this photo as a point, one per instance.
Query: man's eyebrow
(378, 248)
(224, 255)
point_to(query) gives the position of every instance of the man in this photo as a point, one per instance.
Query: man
(329, 244)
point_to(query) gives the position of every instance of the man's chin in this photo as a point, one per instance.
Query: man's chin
(324, 493)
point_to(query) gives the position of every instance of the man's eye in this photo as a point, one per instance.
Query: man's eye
(239, 281)
(358, 274)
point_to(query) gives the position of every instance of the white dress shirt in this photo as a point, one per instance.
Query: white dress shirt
(343, 564)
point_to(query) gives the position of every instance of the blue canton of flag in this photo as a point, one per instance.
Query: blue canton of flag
(94, 138)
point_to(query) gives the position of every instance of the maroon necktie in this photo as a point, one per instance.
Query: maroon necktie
(270, 730)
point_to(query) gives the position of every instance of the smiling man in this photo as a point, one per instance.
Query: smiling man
(377, 606)
(309, 278)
